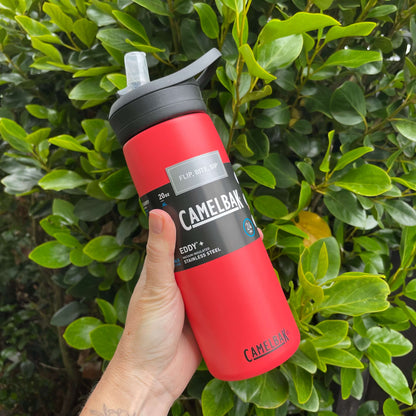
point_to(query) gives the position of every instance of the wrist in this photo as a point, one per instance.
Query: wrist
(128, 394)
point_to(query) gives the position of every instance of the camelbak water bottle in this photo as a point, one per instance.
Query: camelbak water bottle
(233, 299)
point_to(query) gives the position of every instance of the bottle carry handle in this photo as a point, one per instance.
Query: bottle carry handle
(205, 65)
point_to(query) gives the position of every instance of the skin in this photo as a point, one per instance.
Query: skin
(157, 354)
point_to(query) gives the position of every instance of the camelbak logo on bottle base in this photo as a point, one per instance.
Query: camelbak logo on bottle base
(266, 347)
(210, 211)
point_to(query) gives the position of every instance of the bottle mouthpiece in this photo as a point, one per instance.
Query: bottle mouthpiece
(136, 70)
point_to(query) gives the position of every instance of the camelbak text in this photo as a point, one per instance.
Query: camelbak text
(266, 347)
(210, 210)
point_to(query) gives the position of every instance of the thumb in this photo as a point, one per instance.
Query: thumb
(159, 263)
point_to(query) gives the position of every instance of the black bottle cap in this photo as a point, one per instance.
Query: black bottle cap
(162, 99)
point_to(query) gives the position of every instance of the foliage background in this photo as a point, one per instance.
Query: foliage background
(315, 103)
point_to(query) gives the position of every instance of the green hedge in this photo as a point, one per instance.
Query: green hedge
(315, 103)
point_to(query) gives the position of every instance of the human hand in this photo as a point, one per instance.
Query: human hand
(157, 354)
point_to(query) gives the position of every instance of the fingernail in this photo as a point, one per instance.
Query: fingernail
(155, 222)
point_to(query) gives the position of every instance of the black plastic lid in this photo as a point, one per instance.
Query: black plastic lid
(162, 99)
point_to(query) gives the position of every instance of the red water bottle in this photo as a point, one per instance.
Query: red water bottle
(233, 299)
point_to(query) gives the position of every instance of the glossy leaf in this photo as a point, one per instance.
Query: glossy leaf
(407, 128)
(52, 255)
(313, 225)
(105, 338)
(60, 179)
(208, 18)
(270, 206)
(108, 311)
(254, 68)
(118, 185)
(401, 212)
(352, 58)
(85, 30)
(77, 334)
(270, 390)
(355, 29)
(279, 53)
(282, 169)
(391, 379)
(155, 6)
(355, 294)
(348, 104)
(128, 266)
(351, 156)
(261, 175)
(367, 180)
(103, 248)
(296, 24)
(217, 398)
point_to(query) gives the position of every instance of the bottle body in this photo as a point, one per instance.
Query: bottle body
(233, 300)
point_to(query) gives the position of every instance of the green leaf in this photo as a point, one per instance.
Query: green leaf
(217, 398)
(299, 23)
(279, 53)
(270, 206)
(407, 128)
(77, 334)
(242, 146)
(351, 156)
(118, 80)
(103, 248)
(68, 313)
(52, 255)
(381, 11)
(60, 179)
(108, 311)
(67, 240)
(283, 170)
(32, 27)
(391, 379)
(155, 6)
(324, 166)
(331, 333)
(47, 50)
(86, 31)
(351, 383)
(143, 47)
(88, 89)
(302, 380)
(132, 24)
(254, 68)
(348, 105)
(128, 265)
(410, 289)
(261, 175)
(208, 18)
(340, 358)
(119, 185)
(65, 210)
(22, 180)
(313, 259)
(38, 111)
(121, 303)
(117, 39)
(104, 340)
(79, 258)
(355, 29)
(58, 17)
(355, 294)
(68, 142)
(14, 134)
(400, 211)
(344, 206)
(352, 58)
(391, 340)
(367, 180)
(391, 408)
(269, 390)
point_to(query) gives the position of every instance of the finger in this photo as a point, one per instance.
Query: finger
(261, 233)
(160, 249)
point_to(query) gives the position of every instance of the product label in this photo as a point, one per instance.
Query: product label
(210, 211)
